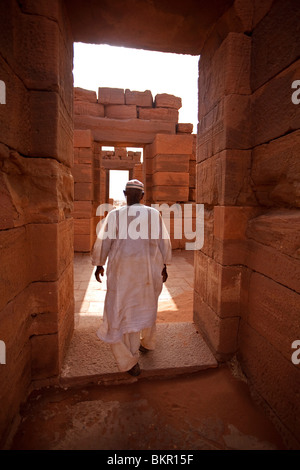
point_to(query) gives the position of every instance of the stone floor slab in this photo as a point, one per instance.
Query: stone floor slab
(180, 349)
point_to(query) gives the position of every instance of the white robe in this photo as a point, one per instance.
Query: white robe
(134, 267)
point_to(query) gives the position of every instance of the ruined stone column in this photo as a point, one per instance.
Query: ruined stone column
(36, 238)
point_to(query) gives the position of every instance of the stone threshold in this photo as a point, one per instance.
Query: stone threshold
(180, 350)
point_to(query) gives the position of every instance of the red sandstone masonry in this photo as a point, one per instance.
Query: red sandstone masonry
(111, 95)
(139, 98)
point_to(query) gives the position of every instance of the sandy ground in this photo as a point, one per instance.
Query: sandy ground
(208, 410)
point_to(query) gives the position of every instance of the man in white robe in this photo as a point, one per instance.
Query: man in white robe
(138, 248)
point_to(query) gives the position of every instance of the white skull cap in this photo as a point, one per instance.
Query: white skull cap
(135, 184)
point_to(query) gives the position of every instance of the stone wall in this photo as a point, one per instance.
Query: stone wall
(36, 192)
(247, 274)
(117, 117)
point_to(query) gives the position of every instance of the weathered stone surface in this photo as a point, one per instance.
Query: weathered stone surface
(139, 98)
(82, 173)
(36, 189)
(35, 36)
(184, 128)
(15, 126)
(158, 114)
(51, 249)
(51, 131)
(164, 162)
(273, 247)
(82, 243)
(82, 209)
(127, 132)
(88, 108)
(279, 229)
(164, 100)
(82, 95)
(274, 377)
(273, 311)
(170, 178)
(14, 252)
(83, 138)
(123, 111)
(275, 171)
(273, 52)
(227, 73)
(83, 226)
(225, 127)
(171, 145)
(273, 100)
(170, 194)
(111, 95)
(221, 334)
(83, 155)
(230, 223)
(44, 364)
(83, 191)
(225, 179)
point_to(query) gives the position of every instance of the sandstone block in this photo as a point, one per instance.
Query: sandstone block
(51, 131)
(121, 111)
(226, 126)
(164, 162)
(14, 252)
(184, 128)
(272, 53)
(83, 191)
(88, 108)
(139, 98)
(274, 101)
(227, 73)
(111, 96)
(83, 138)
(158, 114)
(83, 209)
(15, 114)
(171, 145)
(35, 35)
(173, 178)
(231, 222)
(275, 171)
(170, 194)
(39, 190)
(44, 364)
(82, 243)
(51, 249)
(83, 226)
(126, 132)
(82, 95)
(274, 377)
(274, 264)
(164, 100)
(83, 155)
(82, 173)
(220, 333)
(279, 229)
(225, 179)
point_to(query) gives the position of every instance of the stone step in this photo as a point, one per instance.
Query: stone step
(180, 350)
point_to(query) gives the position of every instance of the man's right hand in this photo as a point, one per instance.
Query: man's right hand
(99, 271)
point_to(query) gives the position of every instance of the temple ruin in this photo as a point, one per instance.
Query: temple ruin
(242, 163)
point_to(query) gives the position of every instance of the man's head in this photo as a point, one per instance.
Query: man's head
(134, 192)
